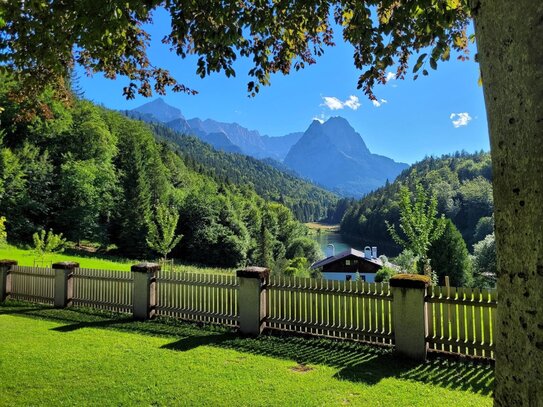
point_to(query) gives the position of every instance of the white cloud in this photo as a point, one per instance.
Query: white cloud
(334, 103)
(352, 102)
(321, 118)
(378, 103)
(390, 76)
(460, 119)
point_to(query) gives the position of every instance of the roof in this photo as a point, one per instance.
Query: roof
(342, 255)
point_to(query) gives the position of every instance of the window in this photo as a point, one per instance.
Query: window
(355, 261)
(349, 277)
(347, 262)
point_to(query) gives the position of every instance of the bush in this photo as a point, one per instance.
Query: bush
(297, 267)
(304, 247)
(384, 274)
(48, 242)
(484, 262)
(407, 262)
(3, 233)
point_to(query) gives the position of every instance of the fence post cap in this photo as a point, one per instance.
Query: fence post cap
(66, 265)
(145, 268)
(8, 263)
(409, 281)
(254, 272)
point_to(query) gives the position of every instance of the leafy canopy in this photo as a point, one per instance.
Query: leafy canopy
(48, 242)
(162, 238)
(419, 223)
(42, 41)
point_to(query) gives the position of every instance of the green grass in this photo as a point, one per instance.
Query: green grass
(92, 260)
(82, 357)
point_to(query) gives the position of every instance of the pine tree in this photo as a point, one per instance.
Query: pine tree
(449, 256)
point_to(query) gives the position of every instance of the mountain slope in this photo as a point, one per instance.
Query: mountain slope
(345, 163)
(462, 184)
(307, 201)
(278, 147)
(230, 137)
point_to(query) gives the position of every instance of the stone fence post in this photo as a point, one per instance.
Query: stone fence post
(64, 283)
(252, 299)
(5, 278)
(144, 296)
(409, 314)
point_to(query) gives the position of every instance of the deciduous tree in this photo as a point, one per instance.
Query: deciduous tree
(162, 237)
(419, 224)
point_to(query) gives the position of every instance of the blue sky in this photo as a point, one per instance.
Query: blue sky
(438, 114)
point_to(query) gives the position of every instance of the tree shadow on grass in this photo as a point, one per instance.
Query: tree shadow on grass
(356, 362)
(91, 324)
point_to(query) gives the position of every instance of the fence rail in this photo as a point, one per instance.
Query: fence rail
(103, 289)
(34, 284)
(459, 320)
(462, 320)
(198, 297)
(339, 309)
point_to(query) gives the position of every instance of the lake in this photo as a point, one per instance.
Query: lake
(328, 237)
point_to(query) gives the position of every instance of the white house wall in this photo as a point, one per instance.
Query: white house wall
(369, 277)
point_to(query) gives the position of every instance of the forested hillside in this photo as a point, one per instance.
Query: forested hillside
(462, 183)
(307, 201)
(97, 176)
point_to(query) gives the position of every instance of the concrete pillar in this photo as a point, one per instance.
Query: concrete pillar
(144, 297)
(252, 299)
(64, 283)
(409, 315)
(5, 278)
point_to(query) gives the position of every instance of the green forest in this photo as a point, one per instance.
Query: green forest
(97, 176)
(307, 201)
(461, 183)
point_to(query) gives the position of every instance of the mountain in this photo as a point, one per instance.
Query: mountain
(159, 110)
(229, 137)
(461, 183)
(307, 201)
(345, 164)
(278, 147)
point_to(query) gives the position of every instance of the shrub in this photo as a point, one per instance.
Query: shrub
(3, 233)
(484, 262)
(48, 242)
(384, 274)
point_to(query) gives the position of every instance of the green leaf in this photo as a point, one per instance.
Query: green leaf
(419, 63)
(433, 63)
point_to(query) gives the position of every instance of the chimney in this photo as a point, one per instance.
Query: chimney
(374, 252)
(367, 252)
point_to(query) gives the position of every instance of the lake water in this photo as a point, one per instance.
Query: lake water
(325, 238)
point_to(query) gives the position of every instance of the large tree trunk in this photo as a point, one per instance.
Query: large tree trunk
(510, 42)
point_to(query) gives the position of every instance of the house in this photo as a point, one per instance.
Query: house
(345, 265)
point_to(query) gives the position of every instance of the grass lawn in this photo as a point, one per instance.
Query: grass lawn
(82, 357)
(91, 260)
